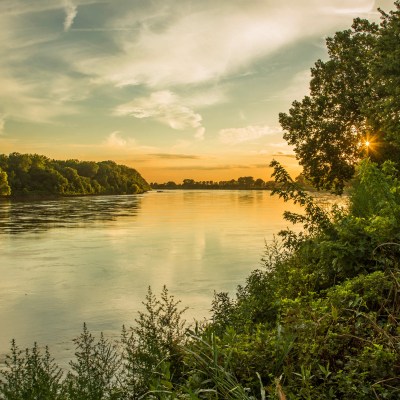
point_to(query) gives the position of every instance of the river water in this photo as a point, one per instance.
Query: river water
(91, 259)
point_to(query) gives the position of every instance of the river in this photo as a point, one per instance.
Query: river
(91, 259)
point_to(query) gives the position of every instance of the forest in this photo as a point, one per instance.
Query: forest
(320, 318)
(35, 175)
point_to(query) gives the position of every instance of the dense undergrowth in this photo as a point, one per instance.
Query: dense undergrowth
(319, 320)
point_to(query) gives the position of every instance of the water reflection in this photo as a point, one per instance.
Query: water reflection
(30, 216)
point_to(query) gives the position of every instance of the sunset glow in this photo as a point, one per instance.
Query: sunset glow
(176, 91)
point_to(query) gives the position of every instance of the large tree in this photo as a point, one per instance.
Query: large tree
(354, 99)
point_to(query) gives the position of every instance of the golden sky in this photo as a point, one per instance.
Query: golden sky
(176, 89)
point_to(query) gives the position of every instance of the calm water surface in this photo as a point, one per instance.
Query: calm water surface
(63, 262)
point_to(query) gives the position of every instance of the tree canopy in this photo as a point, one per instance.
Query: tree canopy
(354, 103)
(34, 174)
(5, 189)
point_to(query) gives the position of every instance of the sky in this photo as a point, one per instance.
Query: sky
(174, 88)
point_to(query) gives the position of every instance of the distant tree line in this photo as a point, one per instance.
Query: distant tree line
(38, 175)
(242, 183)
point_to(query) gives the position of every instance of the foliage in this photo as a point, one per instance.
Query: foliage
(384, 111)
(242, 183)
(210, 376)
(94, 373)
(154, 344)
(322, 316)
(30, 375)
(148, 356)
(37, 175)
(353, 98)
(5, 189)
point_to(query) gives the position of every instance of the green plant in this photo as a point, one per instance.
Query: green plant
(30, 375)
(154, 342)
(95, 371)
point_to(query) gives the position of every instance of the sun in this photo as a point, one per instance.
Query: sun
(370, 144)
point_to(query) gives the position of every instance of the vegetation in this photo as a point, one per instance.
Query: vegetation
(37, 175)
(353, 107)
(242, 183)
(5, 189)
(320, 319)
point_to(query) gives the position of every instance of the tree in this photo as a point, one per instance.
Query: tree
(354, 96)
(5, 189)
(88, 169)
(188, 183)
(34, 174)
(259, 183)
(385, 110)
(171, 185)
(246, 181)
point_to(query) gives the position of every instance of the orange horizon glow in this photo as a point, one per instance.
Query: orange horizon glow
(160, 176)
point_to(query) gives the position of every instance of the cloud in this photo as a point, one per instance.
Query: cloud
(70, 13)
(21, 100)
(20, 7)
(179, 55)
(165, 107)
(278, 144)
(204, 98)
(284, 154)
(200, 132)
(162, 45)
(234, 136)
(169, 156)
(210, 167)
(357, 7)
(115, 140)
(2, 122)
(128, 146)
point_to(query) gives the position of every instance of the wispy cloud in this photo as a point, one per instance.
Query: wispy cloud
(169, 156)
(2, 123)
(165, 107)
(118, 143)
(18, 7)
(284, 154)
(234, 136)
(282, 144)
(71, 11)
(356, 7)
(20, 101)
(115, 140)
(211, 167)
(165, 46)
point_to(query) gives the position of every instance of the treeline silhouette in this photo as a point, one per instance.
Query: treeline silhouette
(38, 175)
(242, 183)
